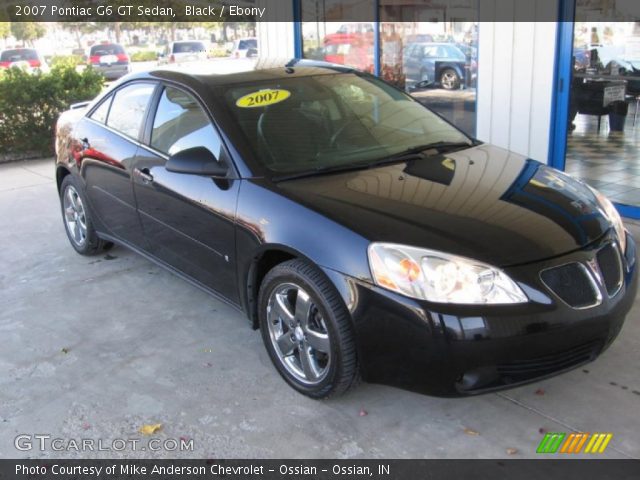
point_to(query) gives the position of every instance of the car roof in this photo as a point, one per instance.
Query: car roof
(19, 49)
(208, 73)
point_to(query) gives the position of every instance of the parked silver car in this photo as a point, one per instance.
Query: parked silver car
(110, 59)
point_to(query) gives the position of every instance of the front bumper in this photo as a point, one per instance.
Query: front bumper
(454, 350)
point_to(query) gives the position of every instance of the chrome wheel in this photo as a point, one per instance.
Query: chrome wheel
(75, 218)
(298, 333)
(449, 80)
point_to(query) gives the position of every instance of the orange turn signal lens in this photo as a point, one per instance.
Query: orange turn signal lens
(410, 269)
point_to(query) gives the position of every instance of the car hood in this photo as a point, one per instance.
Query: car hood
(483, 202)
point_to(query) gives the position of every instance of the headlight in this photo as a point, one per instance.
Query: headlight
(440, 277)
(609, 211)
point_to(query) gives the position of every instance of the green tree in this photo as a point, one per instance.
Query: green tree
(5, 29)
(28, 31)
(79, 29)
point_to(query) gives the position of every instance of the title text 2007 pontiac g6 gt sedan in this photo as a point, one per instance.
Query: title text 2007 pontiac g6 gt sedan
(363, 235)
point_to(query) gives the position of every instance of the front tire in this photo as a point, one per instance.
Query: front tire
(307, 331)
(77, 219)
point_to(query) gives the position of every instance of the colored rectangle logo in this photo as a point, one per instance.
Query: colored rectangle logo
(573, 443)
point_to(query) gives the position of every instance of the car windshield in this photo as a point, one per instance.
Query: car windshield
(332, 121)
(111, 49)
(18, 55)
(188, 47)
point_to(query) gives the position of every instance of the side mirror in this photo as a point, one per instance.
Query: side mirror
(196, 161)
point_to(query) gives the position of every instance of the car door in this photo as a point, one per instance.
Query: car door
(187, 219)
(109, 137)
(411, 62)
(429, 60)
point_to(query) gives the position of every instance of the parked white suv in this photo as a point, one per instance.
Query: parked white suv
(245, 47)
(184, 51)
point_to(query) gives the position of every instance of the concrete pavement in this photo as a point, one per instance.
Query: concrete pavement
(96, 347)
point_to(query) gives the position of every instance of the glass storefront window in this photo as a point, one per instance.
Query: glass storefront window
(602, 144)
(348, 44)
(431, 51)
(435, 61)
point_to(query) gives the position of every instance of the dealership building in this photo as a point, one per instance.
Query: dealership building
(560, 84)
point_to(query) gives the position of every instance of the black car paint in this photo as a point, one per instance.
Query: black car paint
(216, 232)
(448, 350)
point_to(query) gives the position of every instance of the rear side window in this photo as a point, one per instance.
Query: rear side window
(247, 44)
(128, 108)
(430, 52)
(111, 49)
(188, 47)
(100, 113)
(455, 53)
(18, 55)
(180, 123)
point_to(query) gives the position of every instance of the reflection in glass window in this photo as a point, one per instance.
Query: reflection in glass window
(428, 49)
(344, 43)
(128, 108)
(100, 113)
(180, 123)
(433, 59)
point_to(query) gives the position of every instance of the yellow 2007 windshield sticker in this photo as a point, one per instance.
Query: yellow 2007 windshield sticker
(262, 98)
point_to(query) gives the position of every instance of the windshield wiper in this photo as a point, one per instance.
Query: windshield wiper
(417, 153)
(440, 147)
(413, 153)
(323, 170)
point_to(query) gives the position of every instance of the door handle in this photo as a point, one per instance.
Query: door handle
(144, 174)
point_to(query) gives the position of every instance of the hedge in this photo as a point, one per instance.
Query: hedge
(144, 56)
(30, 104)
(58, 60)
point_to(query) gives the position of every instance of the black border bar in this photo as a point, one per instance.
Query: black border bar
(542, 469)
(312, 10)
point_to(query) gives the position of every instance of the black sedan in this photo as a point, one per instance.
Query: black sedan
(363, 234)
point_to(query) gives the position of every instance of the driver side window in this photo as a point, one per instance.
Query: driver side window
(181, 123)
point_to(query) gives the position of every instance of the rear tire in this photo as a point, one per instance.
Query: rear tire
(449, 79)
(77, 220)
(307, 330)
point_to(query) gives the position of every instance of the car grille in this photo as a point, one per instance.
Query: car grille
(611, 268)
(573, 284)
(524, 369)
